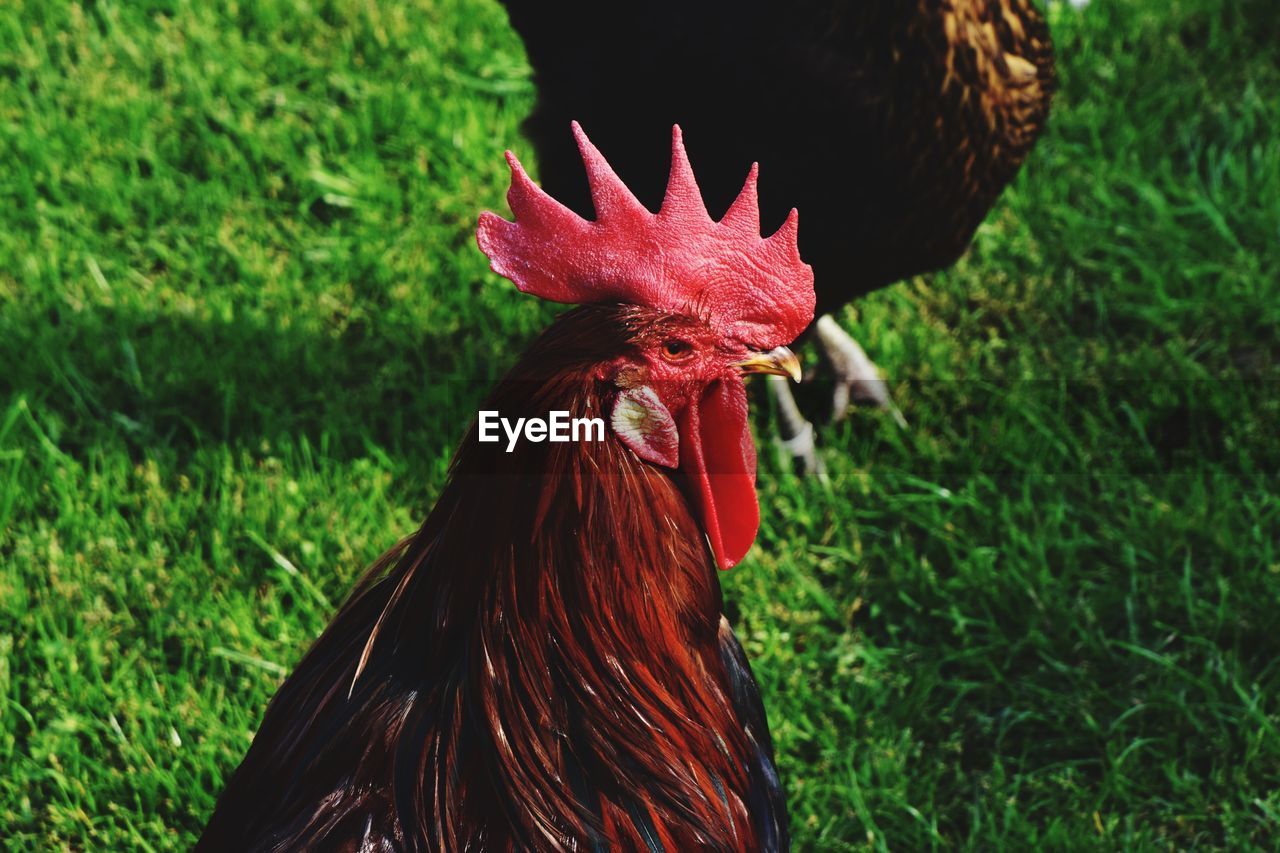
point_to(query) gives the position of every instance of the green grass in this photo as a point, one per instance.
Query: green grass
(242, 321)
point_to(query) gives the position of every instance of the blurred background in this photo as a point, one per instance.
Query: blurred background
(241, 306)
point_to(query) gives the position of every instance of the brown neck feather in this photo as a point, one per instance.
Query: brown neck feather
(539, 662)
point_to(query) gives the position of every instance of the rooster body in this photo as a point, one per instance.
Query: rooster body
(573, 679)
(544, 664)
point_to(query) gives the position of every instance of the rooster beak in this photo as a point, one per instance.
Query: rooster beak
(778, 362)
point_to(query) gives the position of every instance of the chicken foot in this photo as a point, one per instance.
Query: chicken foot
(795, 440)
(857, 380)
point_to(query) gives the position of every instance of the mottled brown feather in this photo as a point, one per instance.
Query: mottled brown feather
(891, 125)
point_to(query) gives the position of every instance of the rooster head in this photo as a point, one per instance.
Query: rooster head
(714, 300)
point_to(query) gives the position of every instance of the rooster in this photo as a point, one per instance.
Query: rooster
(545, 664)
(894, 124)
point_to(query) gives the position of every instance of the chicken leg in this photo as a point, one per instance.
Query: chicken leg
(857, 380)
(795, 434)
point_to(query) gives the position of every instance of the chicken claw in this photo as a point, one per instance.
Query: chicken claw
(858, 379)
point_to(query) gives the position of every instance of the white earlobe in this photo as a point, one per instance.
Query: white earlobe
(645, 425)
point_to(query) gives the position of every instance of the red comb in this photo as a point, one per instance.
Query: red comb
(756, 289)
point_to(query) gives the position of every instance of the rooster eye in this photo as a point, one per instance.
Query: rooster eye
(676, 350)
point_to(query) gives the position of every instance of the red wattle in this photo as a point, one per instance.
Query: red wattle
(719, 458)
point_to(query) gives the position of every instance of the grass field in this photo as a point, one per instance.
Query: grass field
(242, 318)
